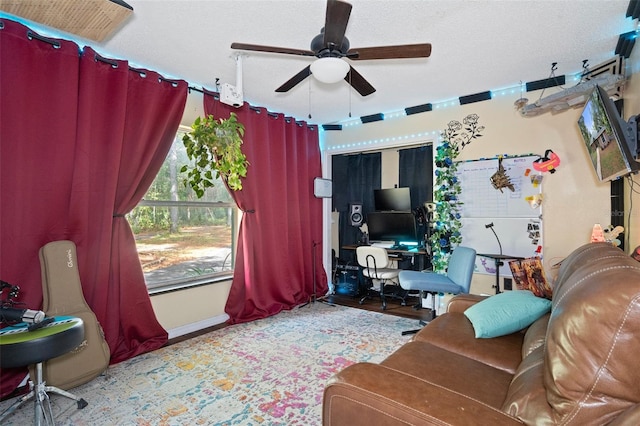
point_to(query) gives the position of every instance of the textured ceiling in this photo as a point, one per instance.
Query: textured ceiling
(477, 46)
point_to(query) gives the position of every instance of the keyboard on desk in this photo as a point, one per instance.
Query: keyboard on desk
(383, 244)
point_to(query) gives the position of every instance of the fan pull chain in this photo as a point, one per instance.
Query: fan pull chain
(350, 90)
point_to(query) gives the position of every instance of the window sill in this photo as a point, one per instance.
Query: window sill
(170, 287)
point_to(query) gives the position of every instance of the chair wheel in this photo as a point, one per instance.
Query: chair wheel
(82, 403)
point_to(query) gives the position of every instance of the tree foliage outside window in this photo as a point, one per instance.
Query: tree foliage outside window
(180, 236)
(169, 186)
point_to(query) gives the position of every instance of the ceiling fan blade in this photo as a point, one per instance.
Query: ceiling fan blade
(293, 81)
(336, 20)
(358, 82)
(422, 50)
(271, 49)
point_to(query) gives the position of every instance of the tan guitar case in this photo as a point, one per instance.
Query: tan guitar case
(62, 296)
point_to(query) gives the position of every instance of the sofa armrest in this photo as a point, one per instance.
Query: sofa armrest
(372, 394)
(462, 302)
(630, 416)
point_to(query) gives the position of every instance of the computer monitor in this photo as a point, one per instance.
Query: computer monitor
(392, 199)
(399, 227)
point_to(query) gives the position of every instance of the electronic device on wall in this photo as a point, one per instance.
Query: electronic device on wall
(331, 46)
(611, 142)
(322, 188)
(233, 95)
(356, 217)
(392, 199)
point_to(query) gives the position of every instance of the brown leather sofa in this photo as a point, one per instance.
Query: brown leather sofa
(577, 365)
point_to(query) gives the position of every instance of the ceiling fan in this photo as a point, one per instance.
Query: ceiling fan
(331, 45)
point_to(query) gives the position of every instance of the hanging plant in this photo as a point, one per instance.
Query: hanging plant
(215, 147)
(446, 230)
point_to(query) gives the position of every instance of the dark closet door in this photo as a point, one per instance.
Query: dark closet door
(416, 172)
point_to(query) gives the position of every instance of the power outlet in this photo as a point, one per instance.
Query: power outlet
(508, 284)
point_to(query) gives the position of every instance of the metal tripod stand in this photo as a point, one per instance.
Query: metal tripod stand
(42, 405)
(313, 298)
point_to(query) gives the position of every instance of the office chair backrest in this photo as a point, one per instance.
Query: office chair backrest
(372, 257)
(461, 265)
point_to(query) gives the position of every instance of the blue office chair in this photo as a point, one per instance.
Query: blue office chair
(457, 280)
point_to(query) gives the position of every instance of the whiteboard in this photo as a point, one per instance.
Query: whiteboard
(517, 222)
(481, 199)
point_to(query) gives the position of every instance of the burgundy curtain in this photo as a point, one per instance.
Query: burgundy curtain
(80, 141)
(38, 109)
(127, 122)
(281, 229)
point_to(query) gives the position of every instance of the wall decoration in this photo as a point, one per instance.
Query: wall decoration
(549, 162)
(446, 216)
(500, 179)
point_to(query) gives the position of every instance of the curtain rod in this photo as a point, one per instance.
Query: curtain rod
(256, 109)
(114, 63)
(32, 35)
(197, 90)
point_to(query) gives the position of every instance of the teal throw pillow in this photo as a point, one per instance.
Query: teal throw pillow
(506, 313)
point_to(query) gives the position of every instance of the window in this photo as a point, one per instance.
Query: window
(183, 240)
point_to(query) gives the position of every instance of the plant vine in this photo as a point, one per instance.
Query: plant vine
(447, 218)
(215, 146)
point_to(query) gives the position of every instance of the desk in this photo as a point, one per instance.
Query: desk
(421, 254)
(389, 250)
(386, 276)
(498, 258)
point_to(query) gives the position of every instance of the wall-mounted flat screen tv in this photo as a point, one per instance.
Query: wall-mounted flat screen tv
(392, 199)
(606, 138)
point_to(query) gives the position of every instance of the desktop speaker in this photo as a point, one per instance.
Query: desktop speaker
(355, 214)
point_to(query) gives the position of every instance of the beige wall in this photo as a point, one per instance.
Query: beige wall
(389, 160)
(185, 311)
(574, 200)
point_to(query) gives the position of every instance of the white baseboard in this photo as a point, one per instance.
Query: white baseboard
(197, 326)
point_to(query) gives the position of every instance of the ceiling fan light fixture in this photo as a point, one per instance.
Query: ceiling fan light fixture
(329, 70)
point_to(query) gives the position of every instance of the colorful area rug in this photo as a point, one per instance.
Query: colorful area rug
(267, 372)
